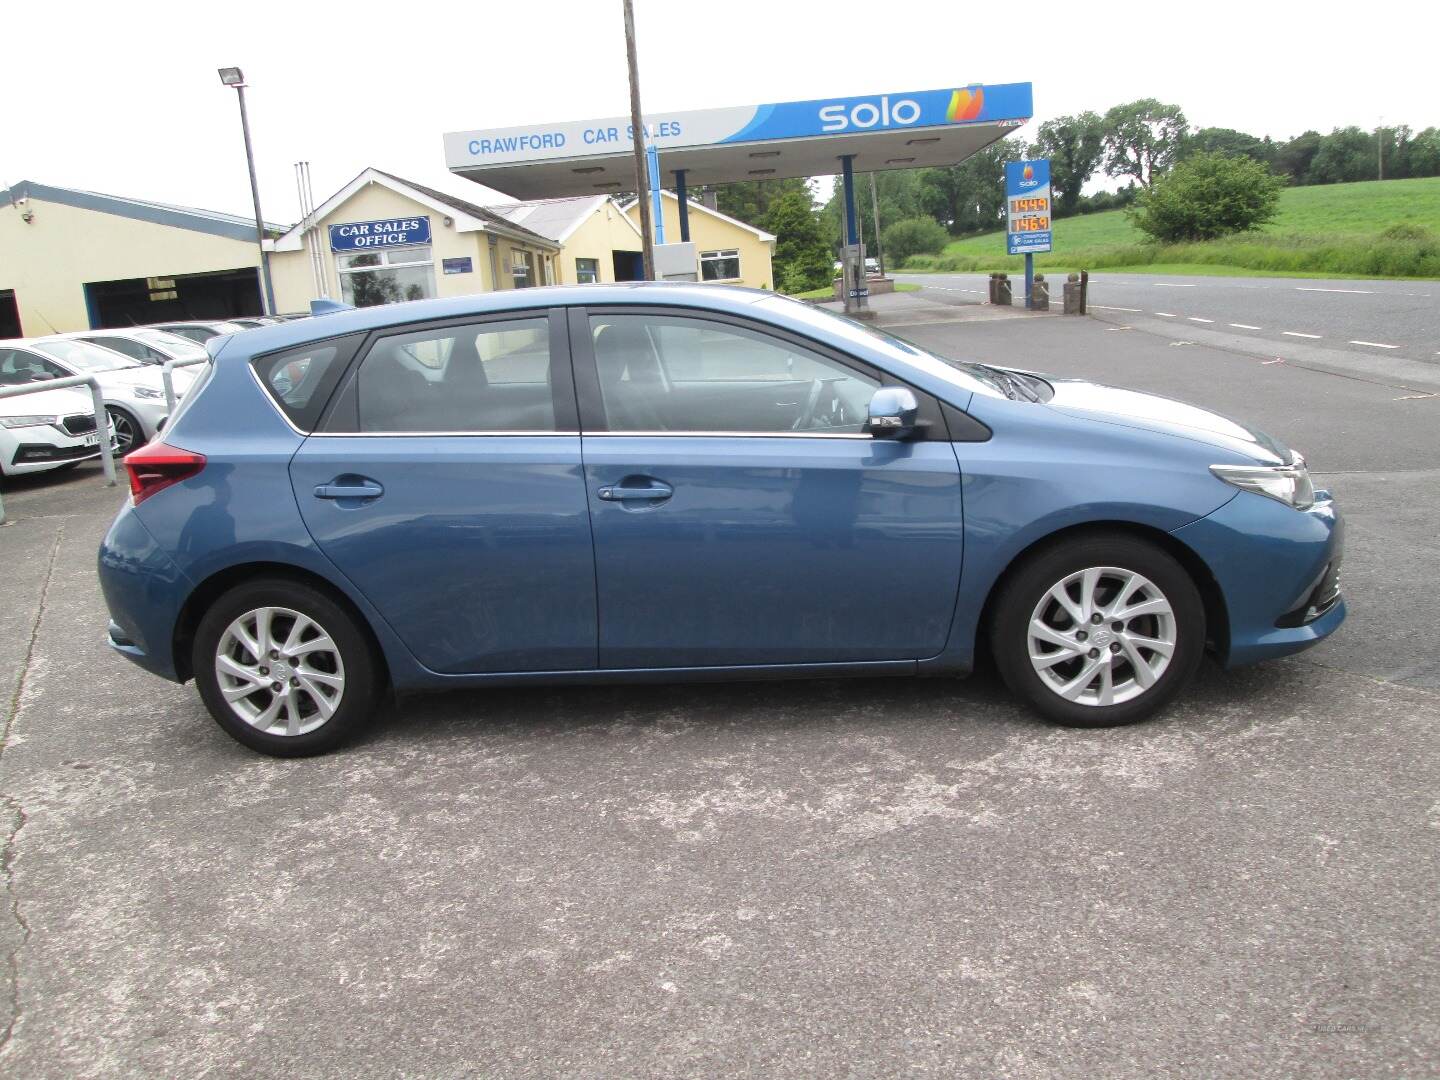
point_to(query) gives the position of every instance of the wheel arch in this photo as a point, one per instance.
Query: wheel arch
(1217, 619)
(222, 581)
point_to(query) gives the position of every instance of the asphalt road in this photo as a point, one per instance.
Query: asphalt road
(1375, 318)
(867, 878)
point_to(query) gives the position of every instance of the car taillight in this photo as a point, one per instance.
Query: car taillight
(157, 465)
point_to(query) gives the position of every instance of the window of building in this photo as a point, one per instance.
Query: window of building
(521, 269)
(476, 378)
(667, 373)
(720, 265)
(587, 271)
(386, 276)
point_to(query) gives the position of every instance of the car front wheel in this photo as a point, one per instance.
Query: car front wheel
(1099, 631)
(284, 669)
(128, 432)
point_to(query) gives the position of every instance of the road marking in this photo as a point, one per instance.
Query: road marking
(1196, 318)
(1182, 343)
(1167, 314)
(1102, 307)
(1296, 333)
(1375, 344)
(1356, 292)
(1171, 285)
(1267, 363)
(1245, 326)
(1119, 328)
(1415, 397)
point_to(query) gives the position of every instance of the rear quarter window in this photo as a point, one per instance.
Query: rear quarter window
(301, 380)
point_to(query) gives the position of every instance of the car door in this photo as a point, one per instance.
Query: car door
(445, 482)
(741, 513)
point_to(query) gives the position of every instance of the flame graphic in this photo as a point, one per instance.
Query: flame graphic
(965, 104)
(1029, 172)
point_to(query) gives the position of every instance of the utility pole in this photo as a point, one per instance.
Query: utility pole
(637, 140)
(875, 214)
(1380, 148)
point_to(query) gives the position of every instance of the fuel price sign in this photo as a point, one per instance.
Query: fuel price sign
(1027, 206)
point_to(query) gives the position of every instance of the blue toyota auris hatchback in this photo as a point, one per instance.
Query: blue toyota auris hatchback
(665, 482)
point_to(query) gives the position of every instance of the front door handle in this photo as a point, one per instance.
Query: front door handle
(652, 492)
(350, 489)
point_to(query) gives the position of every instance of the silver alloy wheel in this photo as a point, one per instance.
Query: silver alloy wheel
(280, 671)
(1102, 636)
(123, 431)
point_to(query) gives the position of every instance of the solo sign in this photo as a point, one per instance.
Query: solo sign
(1027, 207)
(391, 232)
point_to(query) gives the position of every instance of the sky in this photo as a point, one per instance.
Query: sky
(126, 101)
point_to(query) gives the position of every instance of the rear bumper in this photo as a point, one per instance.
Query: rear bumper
(144, 591)
(1278, 570)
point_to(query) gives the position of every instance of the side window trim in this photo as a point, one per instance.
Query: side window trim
(342, 417)
(592, 404)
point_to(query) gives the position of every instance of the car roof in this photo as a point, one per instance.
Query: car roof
(283, 335)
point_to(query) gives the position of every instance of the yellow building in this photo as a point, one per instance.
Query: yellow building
(726, 250)
(598, 242)
(73, 260)
(76, 260)
(381, 238)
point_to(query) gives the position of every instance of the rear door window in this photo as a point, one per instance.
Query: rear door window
(476, 378)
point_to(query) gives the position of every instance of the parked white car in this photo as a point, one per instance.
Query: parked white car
(143, 343)
(199, 330)
(50, 429)
(134, 393)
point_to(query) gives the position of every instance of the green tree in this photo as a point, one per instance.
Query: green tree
(1143, 139)
(1207, 196)
(1217, 140)
(969, 197)
(1075, 146)
(1294, 157)
(913, 236)
(803, 257)
(1422, 153)
(899, 197)
(1345, 155)
(750, 200)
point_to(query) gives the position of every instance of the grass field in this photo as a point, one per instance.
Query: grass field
(1387, 228)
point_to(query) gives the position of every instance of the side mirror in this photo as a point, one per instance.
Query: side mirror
(893, 413)
(41, 376)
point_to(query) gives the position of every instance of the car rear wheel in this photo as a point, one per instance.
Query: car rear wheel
(284, 669)
(1099, 631)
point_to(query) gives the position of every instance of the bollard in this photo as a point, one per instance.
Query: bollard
(1040, 297)
(1003, 294)
(1072, 295)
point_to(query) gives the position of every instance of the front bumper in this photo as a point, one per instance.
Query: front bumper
(1278, 572)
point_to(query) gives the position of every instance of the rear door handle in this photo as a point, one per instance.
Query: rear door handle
(364, 489)
(621, 494)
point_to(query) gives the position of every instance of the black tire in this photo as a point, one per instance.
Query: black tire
(1024, 591)
(122, 420)
(359, 664)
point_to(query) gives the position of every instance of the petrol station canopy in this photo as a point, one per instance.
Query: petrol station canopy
(907, 130)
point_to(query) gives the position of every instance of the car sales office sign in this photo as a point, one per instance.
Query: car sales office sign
(391, 232)
(1027, 207)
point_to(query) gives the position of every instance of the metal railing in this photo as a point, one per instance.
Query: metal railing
(102, 421)
(169, 380)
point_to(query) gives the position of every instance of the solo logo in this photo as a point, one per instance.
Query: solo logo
(868, 114)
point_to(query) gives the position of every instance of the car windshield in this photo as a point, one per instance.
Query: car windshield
(978, 378)
(173, 344)
(82, 356)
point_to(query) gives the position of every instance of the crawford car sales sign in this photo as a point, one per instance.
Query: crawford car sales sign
(391, 232)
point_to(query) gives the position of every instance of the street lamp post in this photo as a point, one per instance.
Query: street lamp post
(233, 76)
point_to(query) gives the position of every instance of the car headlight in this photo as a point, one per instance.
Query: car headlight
(27, 421)
(1289, 484)
(146, 393)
